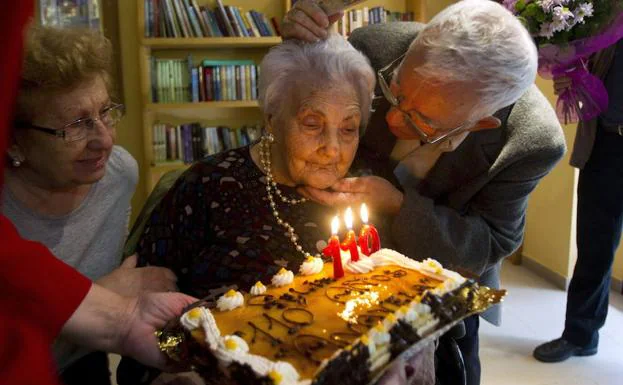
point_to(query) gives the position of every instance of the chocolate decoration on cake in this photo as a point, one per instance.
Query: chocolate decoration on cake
(325, 331)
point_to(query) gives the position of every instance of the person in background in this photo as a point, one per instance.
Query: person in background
(66, 184)
(460, 129)
(41, 295)
(597, 153)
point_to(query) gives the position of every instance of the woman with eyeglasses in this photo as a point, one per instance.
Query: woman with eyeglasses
(66, 184)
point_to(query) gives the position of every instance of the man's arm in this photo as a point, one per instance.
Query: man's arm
(490, 229)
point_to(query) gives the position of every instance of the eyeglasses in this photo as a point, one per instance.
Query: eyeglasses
(387, 72)
(79, 129)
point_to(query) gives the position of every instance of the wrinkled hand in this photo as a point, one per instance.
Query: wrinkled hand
(561, 84)
(146, 314)
(129, 280)
(307, 21)
(373, 190)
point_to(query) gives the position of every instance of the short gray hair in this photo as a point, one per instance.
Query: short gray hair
(479, 41)
(314, 65)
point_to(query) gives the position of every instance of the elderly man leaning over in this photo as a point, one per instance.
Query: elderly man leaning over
(460, 130)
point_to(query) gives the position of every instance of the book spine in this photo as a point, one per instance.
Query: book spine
(177, 14)
(153, 72)
(223, 15)
(214, 26)
(275, 23)
(268, 26)
(254, 82)
(195, 85)
(234, 23)
(194, 20)
(258, 22)
(208, 83)
(174, 30)
(202, 23)
(242, 84)
(245, 23)
(218, 94)
(247, 83)
(202, 88)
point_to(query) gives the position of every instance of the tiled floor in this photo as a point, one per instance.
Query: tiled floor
(533, 313)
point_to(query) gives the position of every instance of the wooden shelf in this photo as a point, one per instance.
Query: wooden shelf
(210, 42)
(171, 107)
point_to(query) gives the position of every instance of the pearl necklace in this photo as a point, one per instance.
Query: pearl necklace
(271, 186)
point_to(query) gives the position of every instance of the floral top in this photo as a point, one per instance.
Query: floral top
(216, 231)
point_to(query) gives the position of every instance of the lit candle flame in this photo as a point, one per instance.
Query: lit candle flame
(348, 218)
(335, 225)
(364, 213)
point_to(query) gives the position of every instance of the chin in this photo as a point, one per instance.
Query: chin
(321, 183)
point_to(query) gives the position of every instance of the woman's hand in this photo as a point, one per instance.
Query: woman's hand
(129, 280)
(561, 84)
(307, 21)
(375, 191)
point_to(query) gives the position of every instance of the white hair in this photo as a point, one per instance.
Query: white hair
(479, 41)
(294, 64)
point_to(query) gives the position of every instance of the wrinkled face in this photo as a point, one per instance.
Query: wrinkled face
(317, 139)
(52, 161)
(435, 107)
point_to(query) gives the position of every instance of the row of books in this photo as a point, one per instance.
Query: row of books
(179, 81)
(187, 143)
(184, 18)
(356, 18)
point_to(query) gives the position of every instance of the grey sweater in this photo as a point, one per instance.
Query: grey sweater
(91, 237)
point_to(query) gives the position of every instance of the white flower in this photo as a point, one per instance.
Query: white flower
(583, 11)
(547, 30)
(230, 300)
(562, 19)
(282, 278)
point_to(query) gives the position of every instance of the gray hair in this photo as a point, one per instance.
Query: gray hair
(295, 64)
(479, 41)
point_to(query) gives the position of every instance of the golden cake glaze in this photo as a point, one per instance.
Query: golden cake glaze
(301, 330)
(309, 320)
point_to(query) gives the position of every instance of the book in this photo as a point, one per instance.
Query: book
(202, 22)
(194, 20)
(225, 20)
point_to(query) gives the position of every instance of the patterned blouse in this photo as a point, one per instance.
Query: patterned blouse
(216, 231)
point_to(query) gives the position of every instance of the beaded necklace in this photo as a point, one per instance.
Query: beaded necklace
(271, 188)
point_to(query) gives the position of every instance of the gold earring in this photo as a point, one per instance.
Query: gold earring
(16, 163)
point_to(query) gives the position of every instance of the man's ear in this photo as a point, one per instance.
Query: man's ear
(488, 123)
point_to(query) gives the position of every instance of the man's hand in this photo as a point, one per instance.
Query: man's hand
(145, 315)
(129, 280)
(376, 192)
(307, 21)
(561, 84)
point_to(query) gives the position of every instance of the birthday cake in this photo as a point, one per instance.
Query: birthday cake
(313, 328)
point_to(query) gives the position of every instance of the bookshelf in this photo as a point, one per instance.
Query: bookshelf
(232, 113)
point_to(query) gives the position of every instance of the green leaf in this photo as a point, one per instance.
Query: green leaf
(520, 5)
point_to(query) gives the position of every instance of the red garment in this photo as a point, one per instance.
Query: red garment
(38, 293)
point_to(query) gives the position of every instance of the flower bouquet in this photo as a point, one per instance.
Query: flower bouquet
(567, 33)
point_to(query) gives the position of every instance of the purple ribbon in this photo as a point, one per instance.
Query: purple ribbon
(587, 96)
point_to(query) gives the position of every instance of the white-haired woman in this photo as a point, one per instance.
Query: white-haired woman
(236, 218)
(224, 222)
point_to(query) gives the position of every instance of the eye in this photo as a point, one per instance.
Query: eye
(312, 122)
(350, 130)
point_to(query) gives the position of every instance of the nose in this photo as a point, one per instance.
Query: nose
(331, 144)
(100, 136)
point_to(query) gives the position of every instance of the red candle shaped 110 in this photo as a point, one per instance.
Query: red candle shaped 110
(367, 232)
(333, 249)
(350, 243)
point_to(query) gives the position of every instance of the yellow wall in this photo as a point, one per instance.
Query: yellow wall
(550, 224)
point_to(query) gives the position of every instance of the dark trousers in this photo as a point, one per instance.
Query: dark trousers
(91, 369)
(469, 349)
(600, 214)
